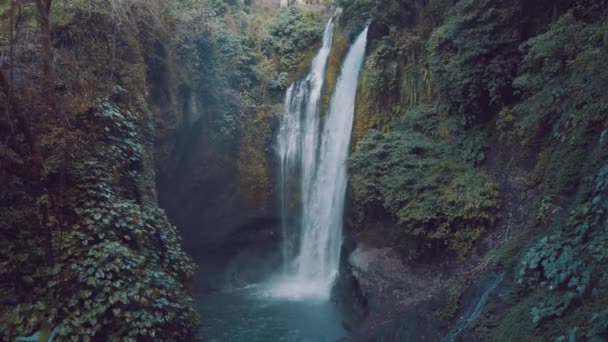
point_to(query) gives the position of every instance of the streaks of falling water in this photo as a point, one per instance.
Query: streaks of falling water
(298, 135)
(318, 158)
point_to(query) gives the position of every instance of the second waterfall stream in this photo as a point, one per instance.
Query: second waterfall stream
(313, 149)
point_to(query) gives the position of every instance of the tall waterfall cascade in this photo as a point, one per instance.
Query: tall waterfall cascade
(313, 149)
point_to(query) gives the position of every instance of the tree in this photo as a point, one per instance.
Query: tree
(43, 8)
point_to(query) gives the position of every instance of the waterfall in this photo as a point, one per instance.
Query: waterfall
(316, 154)
(298, 135)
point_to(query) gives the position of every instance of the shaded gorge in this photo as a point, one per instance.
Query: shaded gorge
(293, 302)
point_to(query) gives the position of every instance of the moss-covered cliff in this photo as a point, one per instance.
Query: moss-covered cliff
(85, 248)
(487, 143)
(130, 96)
(218, 180)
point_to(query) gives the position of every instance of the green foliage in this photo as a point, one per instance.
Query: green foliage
(292, 32)
(435, 199)
(565, 262)
(450, 309)
(237, 60)
(513, 324)
(382, 69)
(560, 78)
(388, 12)
(337, 53)
(219, 61)
(223, 6)
(267, 72)
(395, 77)
(253, 155)
(473, 57)
(242, 63)
(225, 64)
(509, 254)
(558, 121)
(117, 268)
(552, 116)
(546, 210)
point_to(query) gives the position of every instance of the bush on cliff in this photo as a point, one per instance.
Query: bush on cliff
(290, 33)
(473, 57)
(435, 198)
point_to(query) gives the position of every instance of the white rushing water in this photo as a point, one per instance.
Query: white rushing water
(298, 135)
(316, 154)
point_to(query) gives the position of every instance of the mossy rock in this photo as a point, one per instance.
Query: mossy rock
(339, 49)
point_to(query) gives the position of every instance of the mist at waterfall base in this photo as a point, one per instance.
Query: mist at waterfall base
(293, 304)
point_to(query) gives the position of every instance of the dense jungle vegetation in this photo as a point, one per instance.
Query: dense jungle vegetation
(480, 144)
(491, 104)
(93, 93)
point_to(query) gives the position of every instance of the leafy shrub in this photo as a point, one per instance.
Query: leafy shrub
(382, 69)
(395, 77)
(565, 262)
(546, 209)
(111, 267)
(435, 199)
(559, 120)
(452, 305)
(473, 57)
(291, 33)
(390, 12)
(509, 254)
(560, 79)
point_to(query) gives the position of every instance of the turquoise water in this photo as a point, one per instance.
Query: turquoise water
(250, 314)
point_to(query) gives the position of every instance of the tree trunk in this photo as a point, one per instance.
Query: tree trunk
(48, 94)
(46, 56)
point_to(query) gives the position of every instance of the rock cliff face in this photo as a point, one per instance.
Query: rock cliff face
(203, 196)
(388, 284)
(216, 149)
